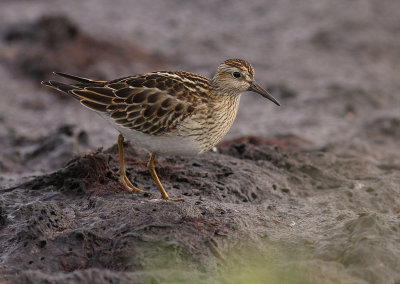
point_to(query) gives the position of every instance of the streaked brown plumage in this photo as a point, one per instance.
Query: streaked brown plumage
(168, 112)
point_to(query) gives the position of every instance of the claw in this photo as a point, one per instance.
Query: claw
(173, 199)
(129, 186)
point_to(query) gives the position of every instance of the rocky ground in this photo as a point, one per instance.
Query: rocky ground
(303, 193)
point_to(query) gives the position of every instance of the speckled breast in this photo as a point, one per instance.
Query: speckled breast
(218, 122)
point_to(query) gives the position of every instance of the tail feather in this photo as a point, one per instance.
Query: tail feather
(69, 88)
(91, 93)
(66, 88)
(78, 79)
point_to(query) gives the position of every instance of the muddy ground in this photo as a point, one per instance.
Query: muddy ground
(303, 193)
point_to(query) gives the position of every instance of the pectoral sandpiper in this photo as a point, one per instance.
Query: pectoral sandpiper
(167, 112)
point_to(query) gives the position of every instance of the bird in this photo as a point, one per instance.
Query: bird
(167, 112)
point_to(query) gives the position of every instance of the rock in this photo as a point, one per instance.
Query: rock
(80, 218)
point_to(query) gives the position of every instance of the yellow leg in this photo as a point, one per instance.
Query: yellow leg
(150, 167)
(122, 172)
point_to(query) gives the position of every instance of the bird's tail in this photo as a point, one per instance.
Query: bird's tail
(78, 79)
(67, 88)
(91, 93)
(59, 86)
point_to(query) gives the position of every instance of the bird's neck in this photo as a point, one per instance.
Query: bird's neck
(224, 113)
(225, 102)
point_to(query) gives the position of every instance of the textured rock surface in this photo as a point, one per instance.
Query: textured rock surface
(304, 193)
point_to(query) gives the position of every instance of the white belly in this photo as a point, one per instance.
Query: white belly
(165, 145)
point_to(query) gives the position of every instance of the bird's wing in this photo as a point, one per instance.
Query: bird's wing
(152, 103)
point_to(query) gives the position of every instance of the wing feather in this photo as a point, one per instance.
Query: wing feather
(153, 103)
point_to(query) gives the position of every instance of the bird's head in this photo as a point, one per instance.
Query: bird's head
(235, 76)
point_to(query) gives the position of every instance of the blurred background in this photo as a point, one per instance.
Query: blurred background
(333, 65)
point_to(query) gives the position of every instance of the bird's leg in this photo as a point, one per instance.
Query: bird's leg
(150, 167)
(122, 172)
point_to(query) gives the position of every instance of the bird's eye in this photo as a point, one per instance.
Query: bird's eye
(236, 74)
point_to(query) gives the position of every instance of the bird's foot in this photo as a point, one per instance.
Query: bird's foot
(129, 186)
(172, 199)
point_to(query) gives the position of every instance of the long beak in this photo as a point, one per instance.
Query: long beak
(255, 87)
